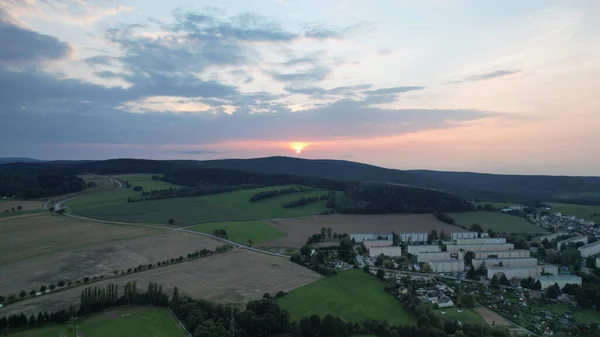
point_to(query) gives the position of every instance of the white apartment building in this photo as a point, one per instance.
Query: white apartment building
(387, 251)
(415, 249)
(437, 256)
(561, 280)
(590, 249)
(464, 235)
(503, 254)
(378, 243)
(581, 238)
(413, 237)
(358, 238)
(480, 248)
(522, 272)
(480, 241)
(552, 236)
(447, 266)
(506, 262)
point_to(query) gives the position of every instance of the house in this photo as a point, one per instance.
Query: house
(445, 302)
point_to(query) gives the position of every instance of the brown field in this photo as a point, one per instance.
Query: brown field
(299, 229)
(236, 276)
(34, 235)
(99, 259)
(27, 205)
(491, 317)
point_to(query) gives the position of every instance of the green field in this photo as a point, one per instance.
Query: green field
(145, 180)
(123, 322)
(103, 198)
(580, 211)
(497, 222)
(233, 206)
(9, 214)
(242, 231)
(585, 316)
(351, 295)
(469, 316)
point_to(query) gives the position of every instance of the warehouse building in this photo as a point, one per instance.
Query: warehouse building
(387, 251)
(447, 266)
(437, 256)
(590, 249)
(371, 237)
(503, 254)
(413, 237)
(506, 262)
(480, 248)
(522, 272)
(378, 243)
(581, 238)
(480, 241)
(561, 280)
(464, 235)
(415, 249)
(552, 236)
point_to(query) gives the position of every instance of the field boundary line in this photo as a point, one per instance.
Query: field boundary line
(178, 321)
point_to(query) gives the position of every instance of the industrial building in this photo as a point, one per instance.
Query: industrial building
(447, 266)
(371, 237)
(464, 235)
(480, 248)
(552, 236)
(413, 237)
(581, 238)
(437, 256)
(522, 272)
(387, 251)
(506, 262)
(561, 280)
(480, 241)
(377, 243)
(590, 249)
(503, 254)
(415, 249)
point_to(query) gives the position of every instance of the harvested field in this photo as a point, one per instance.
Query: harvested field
(237, 276)
(100, 259)
(34, 235)
(492, 318)
(26, 205)
(299, 229)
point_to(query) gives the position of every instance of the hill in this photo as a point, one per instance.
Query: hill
(8, 160)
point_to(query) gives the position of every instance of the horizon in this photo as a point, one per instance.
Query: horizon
(444, 85)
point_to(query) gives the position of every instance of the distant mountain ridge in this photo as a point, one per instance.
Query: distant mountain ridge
(9, 160)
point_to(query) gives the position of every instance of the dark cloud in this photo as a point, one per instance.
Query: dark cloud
(486, 76)
(100, 60)
(23, 46)
(318, 92)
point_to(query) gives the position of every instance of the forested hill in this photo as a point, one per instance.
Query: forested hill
(465, 184)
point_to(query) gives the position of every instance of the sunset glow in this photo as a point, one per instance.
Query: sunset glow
(298, 147)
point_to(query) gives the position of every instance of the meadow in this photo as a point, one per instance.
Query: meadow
(497, 222)
(121, 322)
(469, 316)
(145, 181)
(242, 231)
(580, 211)
(232, 206)
(585, 316)
(351, 295)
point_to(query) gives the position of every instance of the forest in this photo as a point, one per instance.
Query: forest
(38, 185)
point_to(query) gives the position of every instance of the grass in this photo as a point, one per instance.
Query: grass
(233, 206)
(351, 295)
(123, 322)
(242, 231)
(103, 198)
(497, 222)
(15, 213)
(145, 180)
(469, 316)
(586, 316)
(580, 211)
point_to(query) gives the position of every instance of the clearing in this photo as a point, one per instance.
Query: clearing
(230, 206)
(145, 181)
(99, 259)
(468, 316)
(119, 322)
(498, 222)
(33, 235)
(233, 277)
(580, 211)
(242, 231)
(492, 318)
(298, 230)
(351, 295)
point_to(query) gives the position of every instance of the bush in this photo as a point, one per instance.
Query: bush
(22, 294)
(61, 283)
(52, 286)
(32, 292)
(86, 279)
(43, 288)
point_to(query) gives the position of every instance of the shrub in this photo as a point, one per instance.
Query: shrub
(52, 286)
(61, 283)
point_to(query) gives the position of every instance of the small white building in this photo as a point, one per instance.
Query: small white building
(580, 238)
(358, 238)
(444, 302)
(387, 251)
(464, 235)
(416, 249)
(561, 280)
(590, 249)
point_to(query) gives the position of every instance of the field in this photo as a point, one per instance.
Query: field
(234, 277)
(580, 211)
(121, 322)
(26, 205)
(351, 295)
(298, 230)
(145, 181)
(492, 318)
(34, 235)
(189, 211)
(498, 222)
(585, 316)
(98, 259)
(242, 231)
(469, 316)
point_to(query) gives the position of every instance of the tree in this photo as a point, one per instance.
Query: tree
(442, 235)
(43, 288)
(553, 291)
(433, 235)
(366, 268)
(504, 281)
(86, 279)
(250, 242)
(51, 209)
(469, 256)
(329, 231)
(476, 228)
(471, 273)
(450, 327)
(22, 294)
(175, 299)
(380, 274)
(494, 281)
(171, 221)
(423, 321)
(323, 232)
(61, 283)
(32, 292)
(590, 262)
(19, 208)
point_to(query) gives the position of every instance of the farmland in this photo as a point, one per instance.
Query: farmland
(298, 230)
(469, 316)
(242, 231)
(230, 206)
(492, 318)
(351, 295)
(498, 222)
(580, 211)
(122, 322)
(234, 277)
(145, 181)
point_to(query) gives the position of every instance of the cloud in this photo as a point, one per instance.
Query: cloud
(321, 31)
(198, 152)
(487, 76)
(315, 74)
(393, 90)
(23, 46)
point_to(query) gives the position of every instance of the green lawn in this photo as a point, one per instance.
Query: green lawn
(242, 231)
(233, 206)
(122, 322)
(145, 180)
(586, 316)
(498, 222)
(351, 295)
(580, 211)
(469, 316)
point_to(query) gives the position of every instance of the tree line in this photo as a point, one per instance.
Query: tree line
(275, 193)
(39, 185)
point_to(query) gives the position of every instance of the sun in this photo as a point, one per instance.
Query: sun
(298, 147)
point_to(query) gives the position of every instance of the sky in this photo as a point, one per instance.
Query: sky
(484, 85)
